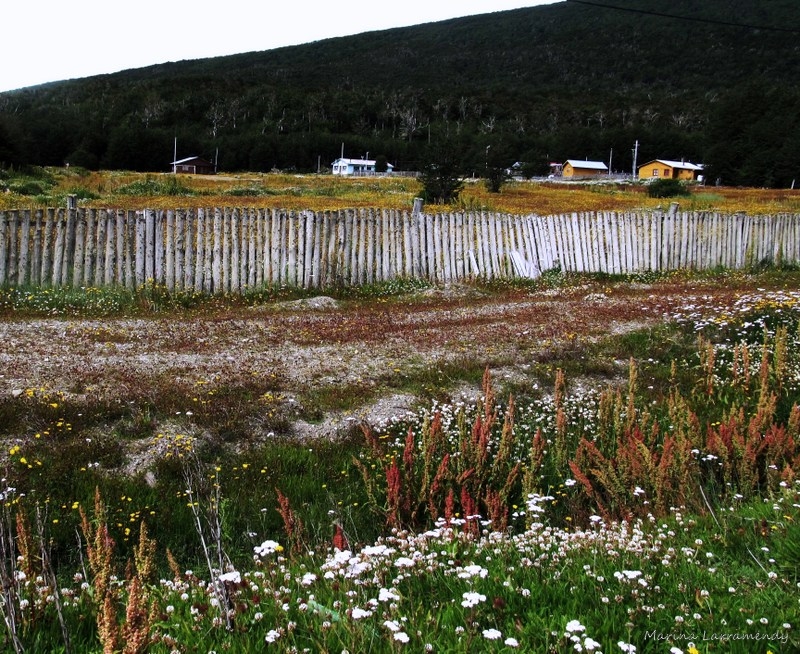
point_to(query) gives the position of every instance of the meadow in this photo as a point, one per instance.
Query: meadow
(580, 463)
(48, 187)
(632, 492)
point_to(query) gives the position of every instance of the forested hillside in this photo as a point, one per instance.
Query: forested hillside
(712, 82)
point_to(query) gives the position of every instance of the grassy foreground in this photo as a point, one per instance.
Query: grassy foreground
(656, 515)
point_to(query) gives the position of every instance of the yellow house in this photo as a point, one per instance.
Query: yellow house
(580, 168)
(666, 169)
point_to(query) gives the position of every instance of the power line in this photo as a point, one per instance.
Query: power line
(693, 19)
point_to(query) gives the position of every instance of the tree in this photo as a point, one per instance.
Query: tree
(442, 177)
(497, 172)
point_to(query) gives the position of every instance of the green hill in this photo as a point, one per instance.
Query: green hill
(713, 82)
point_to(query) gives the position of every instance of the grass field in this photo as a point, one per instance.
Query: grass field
(209, 459)
(49, 187)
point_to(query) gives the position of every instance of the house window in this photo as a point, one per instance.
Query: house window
(655, 172)
(666, 172)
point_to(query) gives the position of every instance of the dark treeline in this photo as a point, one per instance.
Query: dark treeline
(570, 80)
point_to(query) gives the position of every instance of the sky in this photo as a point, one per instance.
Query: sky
(54, 40)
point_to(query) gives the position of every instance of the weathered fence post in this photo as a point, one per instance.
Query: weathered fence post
(79, 264)
(24, 244)
(216, 266)
(3, 246)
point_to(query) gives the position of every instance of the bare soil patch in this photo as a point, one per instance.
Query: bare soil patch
(313, 345)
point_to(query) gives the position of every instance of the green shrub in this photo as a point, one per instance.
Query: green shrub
(667, 188)
(27, 187)
(167, 186)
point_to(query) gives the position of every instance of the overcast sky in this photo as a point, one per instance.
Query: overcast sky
(53, 40)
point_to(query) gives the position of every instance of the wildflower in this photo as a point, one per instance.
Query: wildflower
(401, 636)
(267, 547)
(234, 577)
(387, 594)
(358, 613)
(626, 647)
(573, 626)
(492, 634)
(272, 635)
(511, 642)
(472, 599)
(591, 644)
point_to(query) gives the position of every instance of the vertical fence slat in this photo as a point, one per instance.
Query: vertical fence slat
(24, 245)
(58, 254)
(80, 260)
(13, 228)
(89, 263)
(98, 248)
(307, 268)
(36, 254)
(4, 217)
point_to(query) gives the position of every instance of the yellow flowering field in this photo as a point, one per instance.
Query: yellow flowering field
(117, 189)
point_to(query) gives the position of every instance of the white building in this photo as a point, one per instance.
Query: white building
(356, 167)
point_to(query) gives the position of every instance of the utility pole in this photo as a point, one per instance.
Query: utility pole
(635, 154)
(175, 156)
(610, 157)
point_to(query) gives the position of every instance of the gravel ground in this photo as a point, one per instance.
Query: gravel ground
(314, 344)
(305, 343)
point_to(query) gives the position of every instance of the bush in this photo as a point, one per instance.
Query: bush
(442, 177)
(667, 188)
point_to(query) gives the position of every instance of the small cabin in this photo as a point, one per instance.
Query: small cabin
(193, 166)
(668, 169)
(580, 168)
(344, 166)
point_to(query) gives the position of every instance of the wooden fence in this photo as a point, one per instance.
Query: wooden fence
(228, 250)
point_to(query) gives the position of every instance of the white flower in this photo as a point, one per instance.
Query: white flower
(234, 577)
(388, 595)
(591, 644)
(401, 636)
(392, 625)
(267, 547)
(473, 571)
(472, 599)
(359, 613)
(626, 647)
(492, 634)
(511, 642)
(272, 635)
(573, 626)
